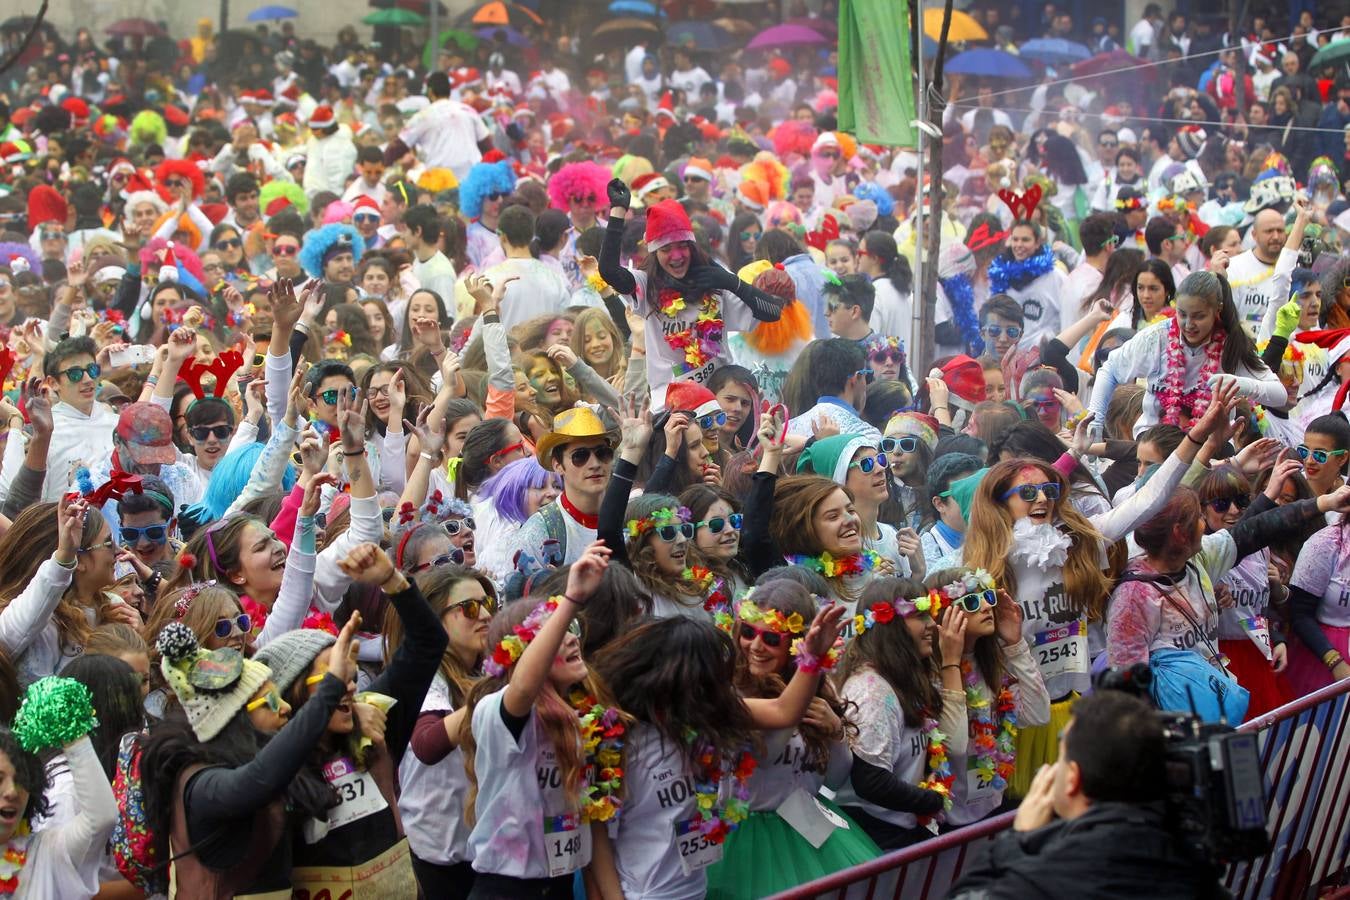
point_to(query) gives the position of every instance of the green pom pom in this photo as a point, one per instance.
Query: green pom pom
(55, 712)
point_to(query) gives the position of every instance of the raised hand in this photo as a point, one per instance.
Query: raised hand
(1008, 619)
(620, 197)
(286, 309)
(952, 635)
(352, 410)
(37, 399)
(313, 454)
(430, 432)
(562, 355)
(342, 655)
(824, 630)
(309, 505)
(367, 564)
(635, 422)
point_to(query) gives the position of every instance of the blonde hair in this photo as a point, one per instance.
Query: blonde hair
(616, 367)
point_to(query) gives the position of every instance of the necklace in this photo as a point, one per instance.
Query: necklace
(940, 777)
(1006, 272)
(602, 732)
(716, 822)
(1174, 396)
(12, 862)
(837, 566)
(992, 747)
(701, 342)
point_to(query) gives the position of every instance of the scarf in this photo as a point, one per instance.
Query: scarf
(1006, 273)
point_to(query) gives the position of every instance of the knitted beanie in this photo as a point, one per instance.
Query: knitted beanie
(914, 424)
(212, 685)
(290, 656)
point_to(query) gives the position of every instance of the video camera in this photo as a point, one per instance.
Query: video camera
(1215, 792)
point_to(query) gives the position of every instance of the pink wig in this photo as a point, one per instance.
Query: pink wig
(151, 250)
(579, 179)
(338, 211)
(782, 213)
(793, 136)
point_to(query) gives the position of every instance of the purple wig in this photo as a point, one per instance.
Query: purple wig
(12, 251)
(507, 489)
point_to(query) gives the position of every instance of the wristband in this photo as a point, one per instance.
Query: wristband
(574, 601)
(384, 586)
(68, 568)
(346, 453)
(952, 666)
(152, 380)
(1332, 658)
(1194, 441)
(943, 406)
(428, 456)
(810, 663)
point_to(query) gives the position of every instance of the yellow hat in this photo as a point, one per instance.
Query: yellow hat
(569, 425)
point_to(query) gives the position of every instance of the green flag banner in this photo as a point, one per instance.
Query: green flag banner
(876, 80)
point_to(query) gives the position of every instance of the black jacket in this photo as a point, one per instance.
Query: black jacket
(1113, 850)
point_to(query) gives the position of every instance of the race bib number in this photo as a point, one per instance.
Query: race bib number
(568, 843)
(978, 786)
(358, 794)
(810, 818)
(1258, 629)
(697, 850)
(1062, 650)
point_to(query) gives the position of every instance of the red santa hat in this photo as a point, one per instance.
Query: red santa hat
(494, 156)
(168, 267)
(11, 152)
(522, 111)
(78, 109)
(365, 202)
(121, 164)
(645, 184)
(689, 396)
(322, 117)
(780, 66)
(289, 97)
(45, 204)
(667, 223)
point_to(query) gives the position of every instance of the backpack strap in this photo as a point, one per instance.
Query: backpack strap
(555, 526)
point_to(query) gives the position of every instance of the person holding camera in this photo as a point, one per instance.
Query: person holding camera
(1094, 823)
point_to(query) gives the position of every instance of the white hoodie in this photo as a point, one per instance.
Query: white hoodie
(77, 440)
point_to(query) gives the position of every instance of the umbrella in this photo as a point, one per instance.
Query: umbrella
(702, 35)
(735, 26)
(267, 13)
(506, 33)
(824, 26)
(635, 8)
(627, 29)
(395, 17)
(135, 28)
(787, 36)
(1054, 51)
(462, 39)
(987, 64)
(1105, 63)
(1334, 54)
(500, 12)
(963, 27)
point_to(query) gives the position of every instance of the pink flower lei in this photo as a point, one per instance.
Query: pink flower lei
(1174, 397)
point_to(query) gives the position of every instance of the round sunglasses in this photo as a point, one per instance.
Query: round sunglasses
(712, 420)
(994, 331)
(1029, 492)
(717, 523)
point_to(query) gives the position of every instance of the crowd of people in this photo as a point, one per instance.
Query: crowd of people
(525, 475)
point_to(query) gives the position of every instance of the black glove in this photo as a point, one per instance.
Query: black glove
(619, 194)
(713, 278)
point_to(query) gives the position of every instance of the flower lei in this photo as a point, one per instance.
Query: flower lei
(1006, 272)
(702, 341)
(713, 822)
(883, 611)
(12, 863)
(961, 297)
(992, 745)
(836, 566)
(510, 648)
(602, 732)
(940, 776)
(715, 598)
(1174, 396)
(670, 515)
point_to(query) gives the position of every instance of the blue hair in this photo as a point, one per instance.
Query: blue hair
(507, 489)
(319, 240)
(869, 190)
(227, 482)
(484, 179)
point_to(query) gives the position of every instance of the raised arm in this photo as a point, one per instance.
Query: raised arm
(611, 268)
(786, 710)
(636, 434)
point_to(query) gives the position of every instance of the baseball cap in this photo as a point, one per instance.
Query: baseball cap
(148, 432)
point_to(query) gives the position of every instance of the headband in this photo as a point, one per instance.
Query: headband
(223, 367)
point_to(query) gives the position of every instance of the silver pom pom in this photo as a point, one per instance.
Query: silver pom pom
(176, 641)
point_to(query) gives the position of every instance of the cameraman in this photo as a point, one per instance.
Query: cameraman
(1092, 824)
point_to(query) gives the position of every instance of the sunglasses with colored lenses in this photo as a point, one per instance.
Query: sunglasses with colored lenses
(1221, 505)
(285, 249)
(1045, 405)
(331, 395)
(749, 235)
(903, 444)
(889, 355)
(75, 374)
(271, 699)
(770, 638)
(712, 420)
(155, 534)
(228, 244)
(454, 558)
(994, 331)
(717, 523)
(868, 375)
(971, 602)
(669, 533)
(1029, 492)
(366, 217)
(869, 463)
(1319, 456)
(258, 360)
(225, 627)
(204, 432)
(455, 526)
(474, 606)
(582, 455)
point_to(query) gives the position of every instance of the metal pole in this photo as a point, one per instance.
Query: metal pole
(433, 19)
(921, 111)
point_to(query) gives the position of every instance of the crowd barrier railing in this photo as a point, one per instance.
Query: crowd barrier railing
(1304, 748)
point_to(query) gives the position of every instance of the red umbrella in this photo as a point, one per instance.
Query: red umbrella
(135, 28)
(1104, 63)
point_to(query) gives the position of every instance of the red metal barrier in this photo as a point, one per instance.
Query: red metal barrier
(1305, 752)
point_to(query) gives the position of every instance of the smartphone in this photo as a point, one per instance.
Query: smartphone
(133, 355)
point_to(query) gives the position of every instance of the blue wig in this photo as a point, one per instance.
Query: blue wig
(227, 482)
(484, 179)
(507, 489)
(319, 240)
(869, 190)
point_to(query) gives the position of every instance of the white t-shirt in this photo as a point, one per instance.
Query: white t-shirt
(446, 136)
(1260, 289)
(1140, 41)
(1249, 585)
(520, 797)
(884, 740)
(893, 313)
(540, 289)
(1323, 570)
(1082, 281)
(1045, 304)
(437, 274)
(431, 797)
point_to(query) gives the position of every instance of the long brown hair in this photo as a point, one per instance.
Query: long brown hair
(789, 597)
(888, 650)
(225, 538)
(989, 538)
(436, 585)
(29, 542)
(988, 651)
(643, 557)
(613, 370)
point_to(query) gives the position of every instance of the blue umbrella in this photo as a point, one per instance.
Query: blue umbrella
(508, 34)
(267, 13)
(1054, 51)
(635, 8)
(987, 64)
(701, 35)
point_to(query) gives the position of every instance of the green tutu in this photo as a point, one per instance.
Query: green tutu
(766, 855)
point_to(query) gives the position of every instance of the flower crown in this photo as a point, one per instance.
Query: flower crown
(1130, 204)
(772, 619)
(883, 611)
(670, 515)
(969, 583)
(339, 337)
(510, 648)
(877, 342)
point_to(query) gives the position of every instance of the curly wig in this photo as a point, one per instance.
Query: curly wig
(484, 179)
(579, 179)
(11, 251)
(283, 190)
(184, 169)
(769, 172)
(319, 240)
(148, 127)
(869, 190)
(153, 250)
(793, 136)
